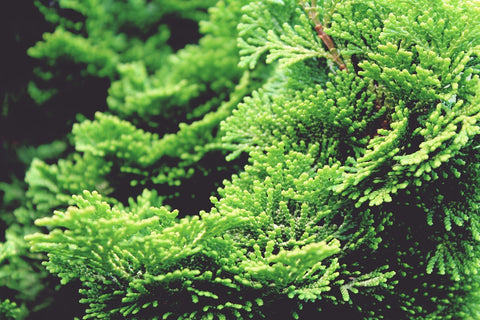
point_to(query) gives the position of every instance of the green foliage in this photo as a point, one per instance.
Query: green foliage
(9, 310)
(21, 272)
(285, 34)
(183, 101)
(140, 249)
(360, 196)
(106, 44)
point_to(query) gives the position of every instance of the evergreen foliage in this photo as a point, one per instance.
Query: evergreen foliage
(360, 123)
(9, 310)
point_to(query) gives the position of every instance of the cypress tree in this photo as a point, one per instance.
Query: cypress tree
(301, 159)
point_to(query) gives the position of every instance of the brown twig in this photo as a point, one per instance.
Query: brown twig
(327, 40)
(331, 46)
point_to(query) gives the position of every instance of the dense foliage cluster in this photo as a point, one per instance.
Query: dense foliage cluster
(271, 159)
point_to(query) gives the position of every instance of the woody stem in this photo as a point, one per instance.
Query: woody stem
(327, 40)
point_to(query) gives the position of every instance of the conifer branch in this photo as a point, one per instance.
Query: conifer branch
(359, 199)
(312, 12)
